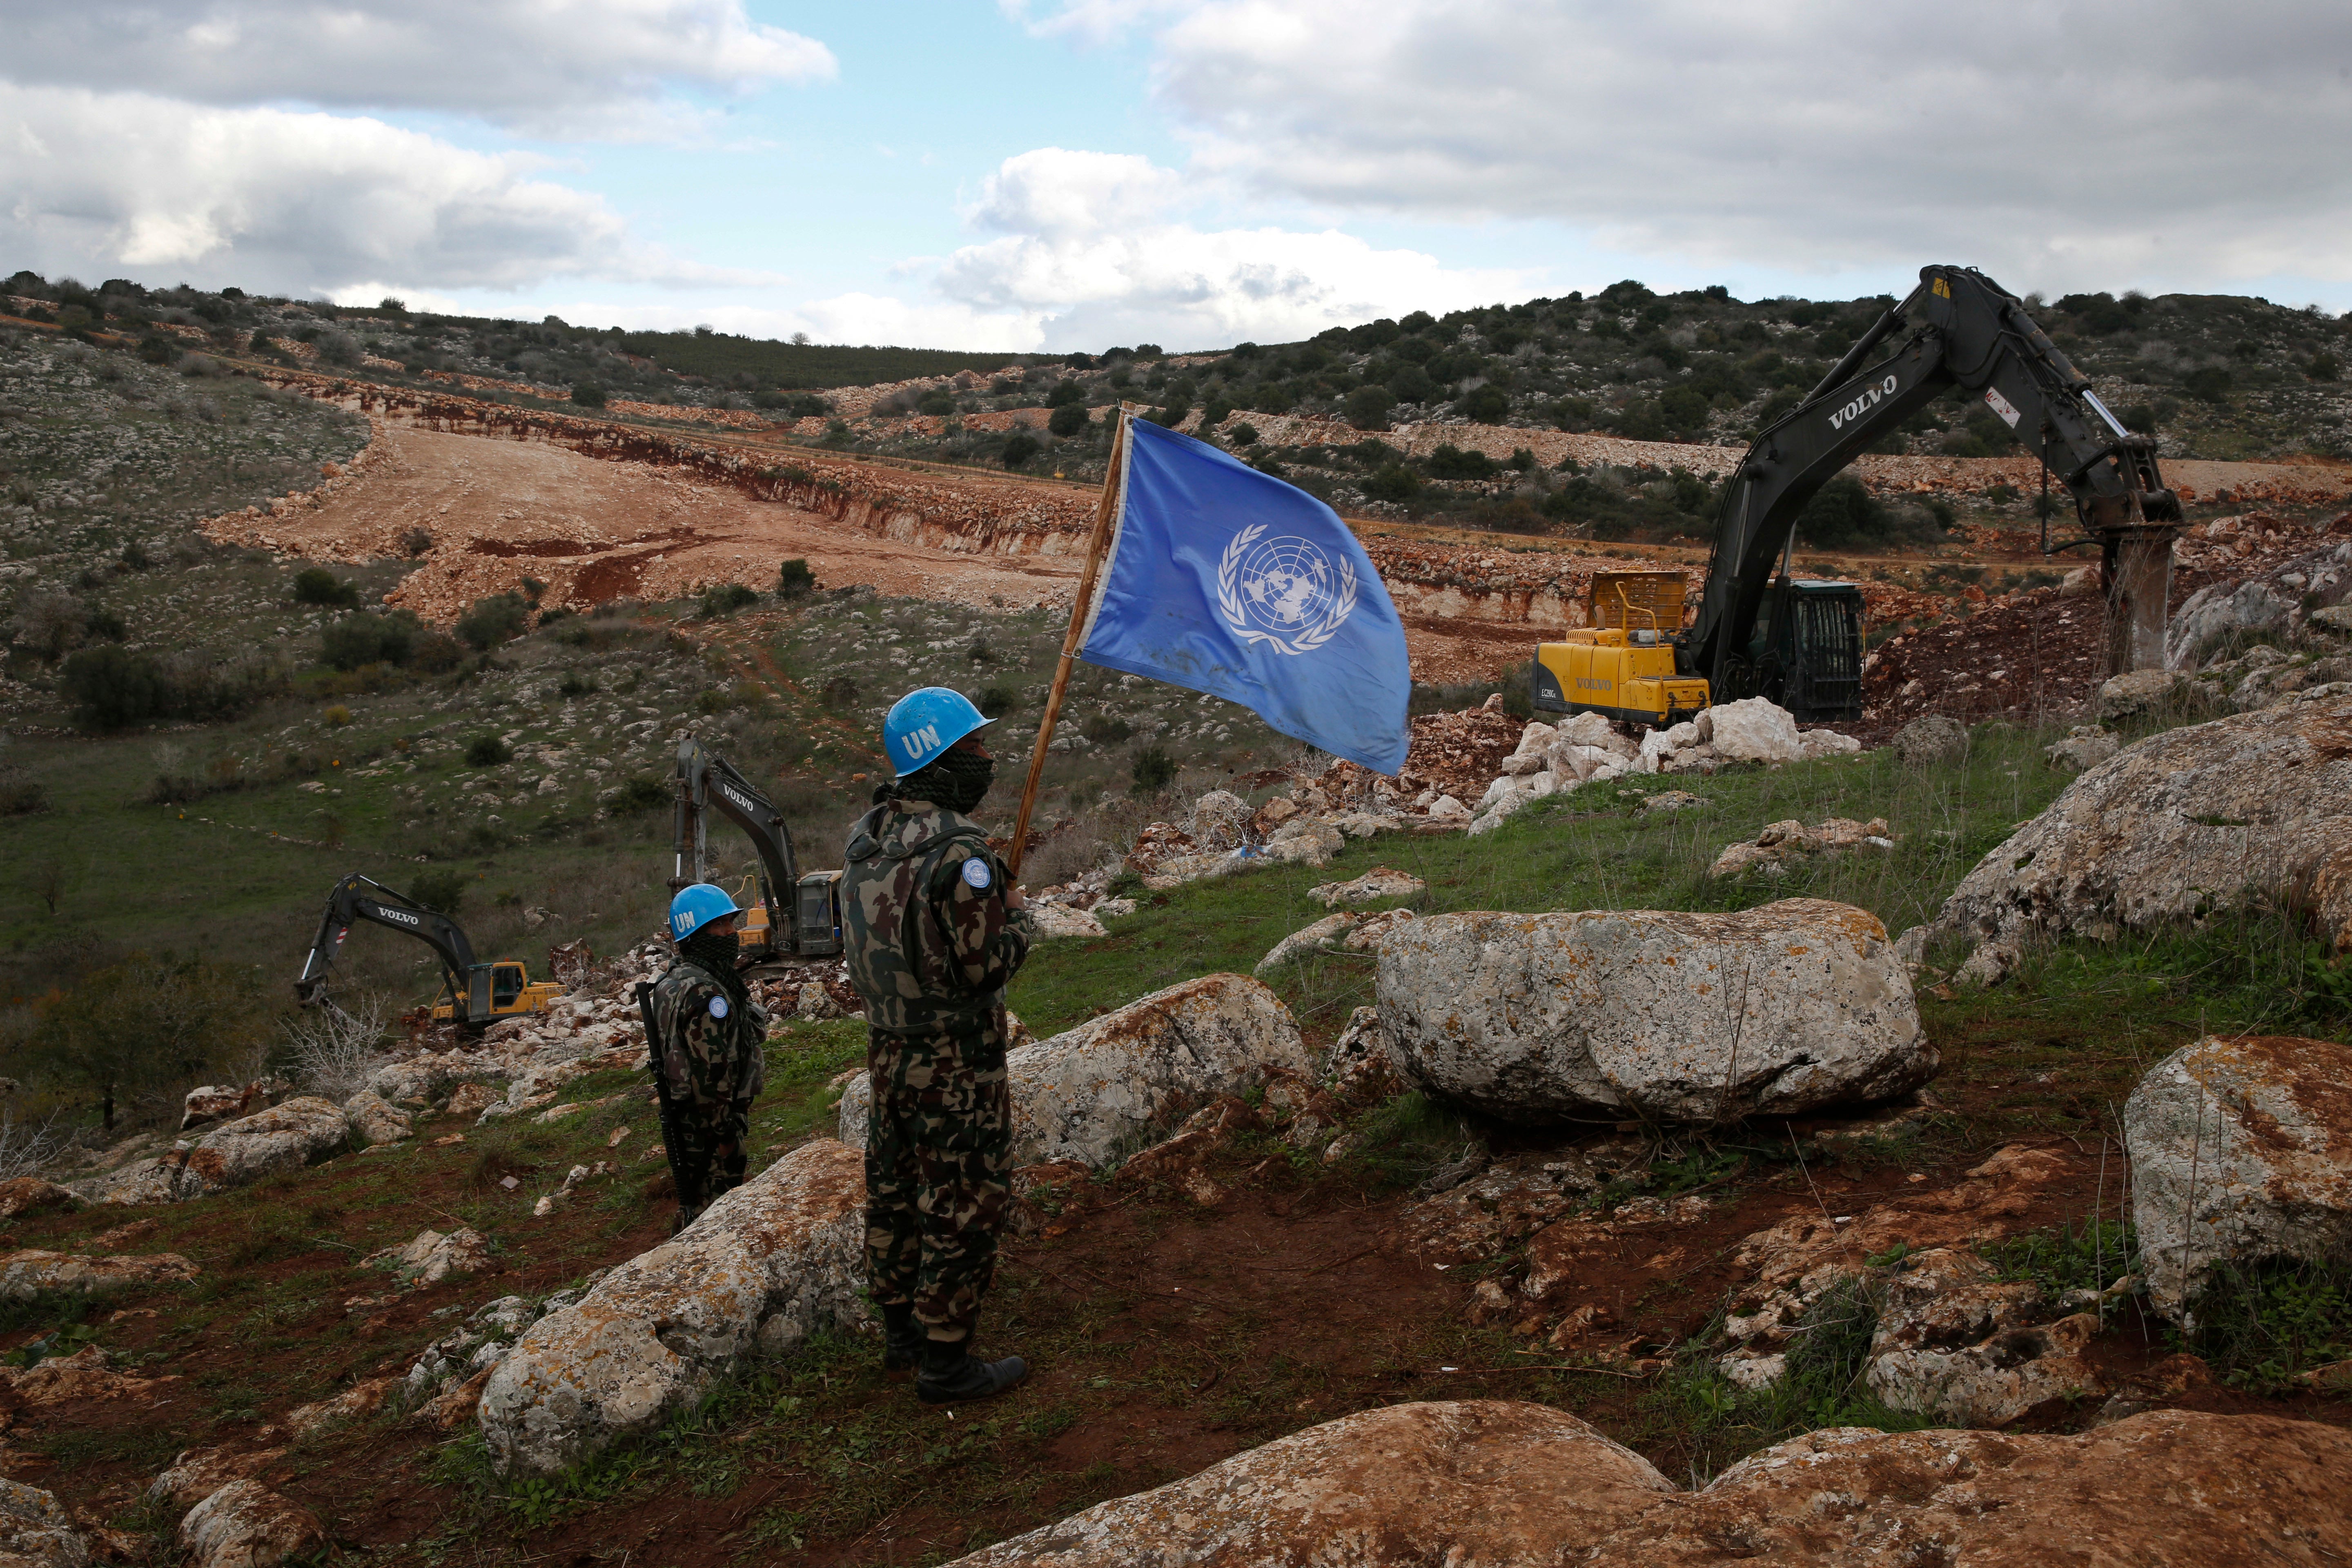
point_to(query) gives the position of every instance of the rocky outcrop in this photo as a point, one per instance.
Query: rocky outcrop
(1380, 882)
(1955, 1343)
(246, 1525)
(1771, 851)
(374, 1121)
(37, 1530)
(2086, 746)
(2220, 611)
(431, 1256)
(2170, 1489)
(25, 1194)
(1663, 1014)
(2182, 825)
(1478, 1484)
(198, 1473)
(1931, 741)
(1102, 1090)
(2240, 1151)
(302, 1131)
(1493, 1484)
(1754, 730)
(763, 1266)
(24, 1274)
(1053, 921)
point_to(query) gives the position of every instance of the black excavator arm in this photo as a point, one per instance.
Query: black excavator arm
(358, 897)
(1963, 331)
(707, 782)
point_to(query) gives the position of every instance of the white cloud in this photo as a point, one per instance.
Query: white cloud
(294, 203)
(1090, 252)
(2093, 143)
(582, 67)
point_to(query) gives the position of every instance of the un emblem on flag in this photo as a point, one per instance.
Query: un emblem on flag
(1282, 592)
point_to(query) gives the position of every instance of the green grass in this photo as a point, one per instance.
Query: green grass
(2259, 1325)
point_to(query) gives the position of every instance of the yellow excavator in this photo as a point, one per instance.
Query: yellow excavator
(1623, 666)
(473, 995)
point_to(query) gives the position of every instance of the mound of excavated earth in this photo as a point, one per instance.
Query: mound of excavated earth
(1105, 1088)
(2240, 1151)
(1676, 1017)
(1489, 1484)
(1479, 1482)
(763, 1266)
(2184, 823)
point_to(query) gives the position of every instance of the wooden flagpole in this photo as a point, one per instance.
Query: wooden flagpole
(1105, 511)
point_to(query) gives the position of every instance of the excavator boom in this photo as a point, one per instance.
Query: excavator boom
(1963, 331)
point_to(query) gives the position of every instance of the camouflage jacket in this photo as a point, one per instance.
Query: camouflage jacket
(712, 1051)
(930, 942)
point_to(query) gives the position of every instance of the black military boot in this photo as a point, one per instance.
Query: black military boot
(902, 1341)
(952, 1375)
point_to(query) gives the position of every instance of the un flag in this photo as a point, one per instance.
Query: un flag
(1228, 581)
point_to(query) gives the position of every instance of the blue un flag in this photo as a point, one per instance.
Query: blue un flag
(1228, 581)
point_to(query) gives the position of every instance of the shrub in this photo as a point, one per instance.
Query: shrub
(588, 395)
(725, 598)
(1485, 403)
(316, 586)
(146, 1030)
(795, 578)
(938, 401)
(1395, 482)
(1451, 462)
(1020, 447)
(364, 639)
(415, 542)
(21, 795)
(337, 715)
(156, 349)
(996, 702)
(2324, 367)
(1154, 770)
(1841, 513)
(2208, 383)
(488, 751)
(1067, 419)
(839, 693)
(643, 793)
(1105, 730)
(494, 619)
(1242, 435)
(1066, 394)
(111, 688)
(575, 684)
(1368, 408)
(443, 890)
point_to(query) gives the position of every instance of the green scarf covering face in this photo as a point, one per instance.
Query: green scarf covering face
(715, 952)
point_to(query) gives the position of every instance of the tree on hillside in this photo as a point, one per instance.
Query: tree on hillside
(144, 1031)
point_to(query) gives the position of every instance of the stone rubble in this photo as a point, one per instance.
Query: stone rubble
(431, 1256)
(1779, 845)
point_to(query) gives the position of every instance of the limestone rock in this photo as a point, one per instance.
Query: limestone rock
(1060, 920)
(1930, 740)
(27, 1274)
(430, 1256)
(470, 1100)
(1754, 730)
(763, 1266)
(1445, 808)
(1108, 1086)
(365, 1398)
(1781, 842)
(2337, 618)
(1474, 1484)
(2218, 611)
(2170, 1489)
(1676, 1017)
(2140, 693)
(37, 1530)
(246, 1525)
(1305, 841)
(1307, 939)
(302, 1131)
(374, 1120)
(198, 1473)
(2185, 821)
(813, 1004)
(1819, 743)
(2242, 1150)
(1372, 929)
(1380, 882)
(2086, 746)
(214, 1102)
(1220, 820)
(1953, 1343)
(24, 1194)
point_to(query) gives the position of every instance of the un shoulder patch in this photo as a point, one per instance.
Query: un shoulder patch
(719, 1006)
(976, 872)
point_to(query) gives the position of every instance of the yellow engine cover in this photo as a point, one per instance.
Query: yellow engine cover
(1608, 673)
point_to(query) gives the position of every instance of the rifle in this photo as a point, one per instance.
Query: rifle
(668, 1112)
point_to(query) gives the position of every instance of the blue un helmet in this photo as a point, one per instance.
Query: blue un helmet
(696, 906)
(922, 724)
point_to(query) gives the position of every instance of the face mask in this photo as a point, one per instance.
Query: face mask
(957, 781)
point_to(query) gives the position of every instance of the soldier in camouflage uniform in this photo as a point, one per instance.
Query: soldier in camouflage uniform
(934, 930)
(713, 1061)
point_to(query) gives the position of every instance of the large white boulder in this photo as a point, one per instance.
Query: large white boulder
(761, 1268)
(1676, 1017)
(1754, 730)
(1098, 1092)
(246, 1525)
(2192, 821)
(1478, 1484)
(2240, 1151)
(302, 1131)
(2215, 612)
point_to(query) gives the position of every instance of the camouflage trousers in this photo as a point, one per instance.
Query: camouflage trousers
(939, 1152)
(707, 1151)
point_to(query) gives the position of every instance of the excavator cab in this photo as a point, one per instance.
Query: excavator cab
(495, 991)
(1805, 654)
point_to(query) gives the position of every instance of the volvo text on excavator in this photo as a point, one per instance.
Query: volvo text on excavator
(474, 995)
(810, 927)
(1760, 632)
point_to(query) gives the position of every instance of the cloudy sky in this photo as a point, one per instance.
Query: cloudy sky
(1070, 173)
